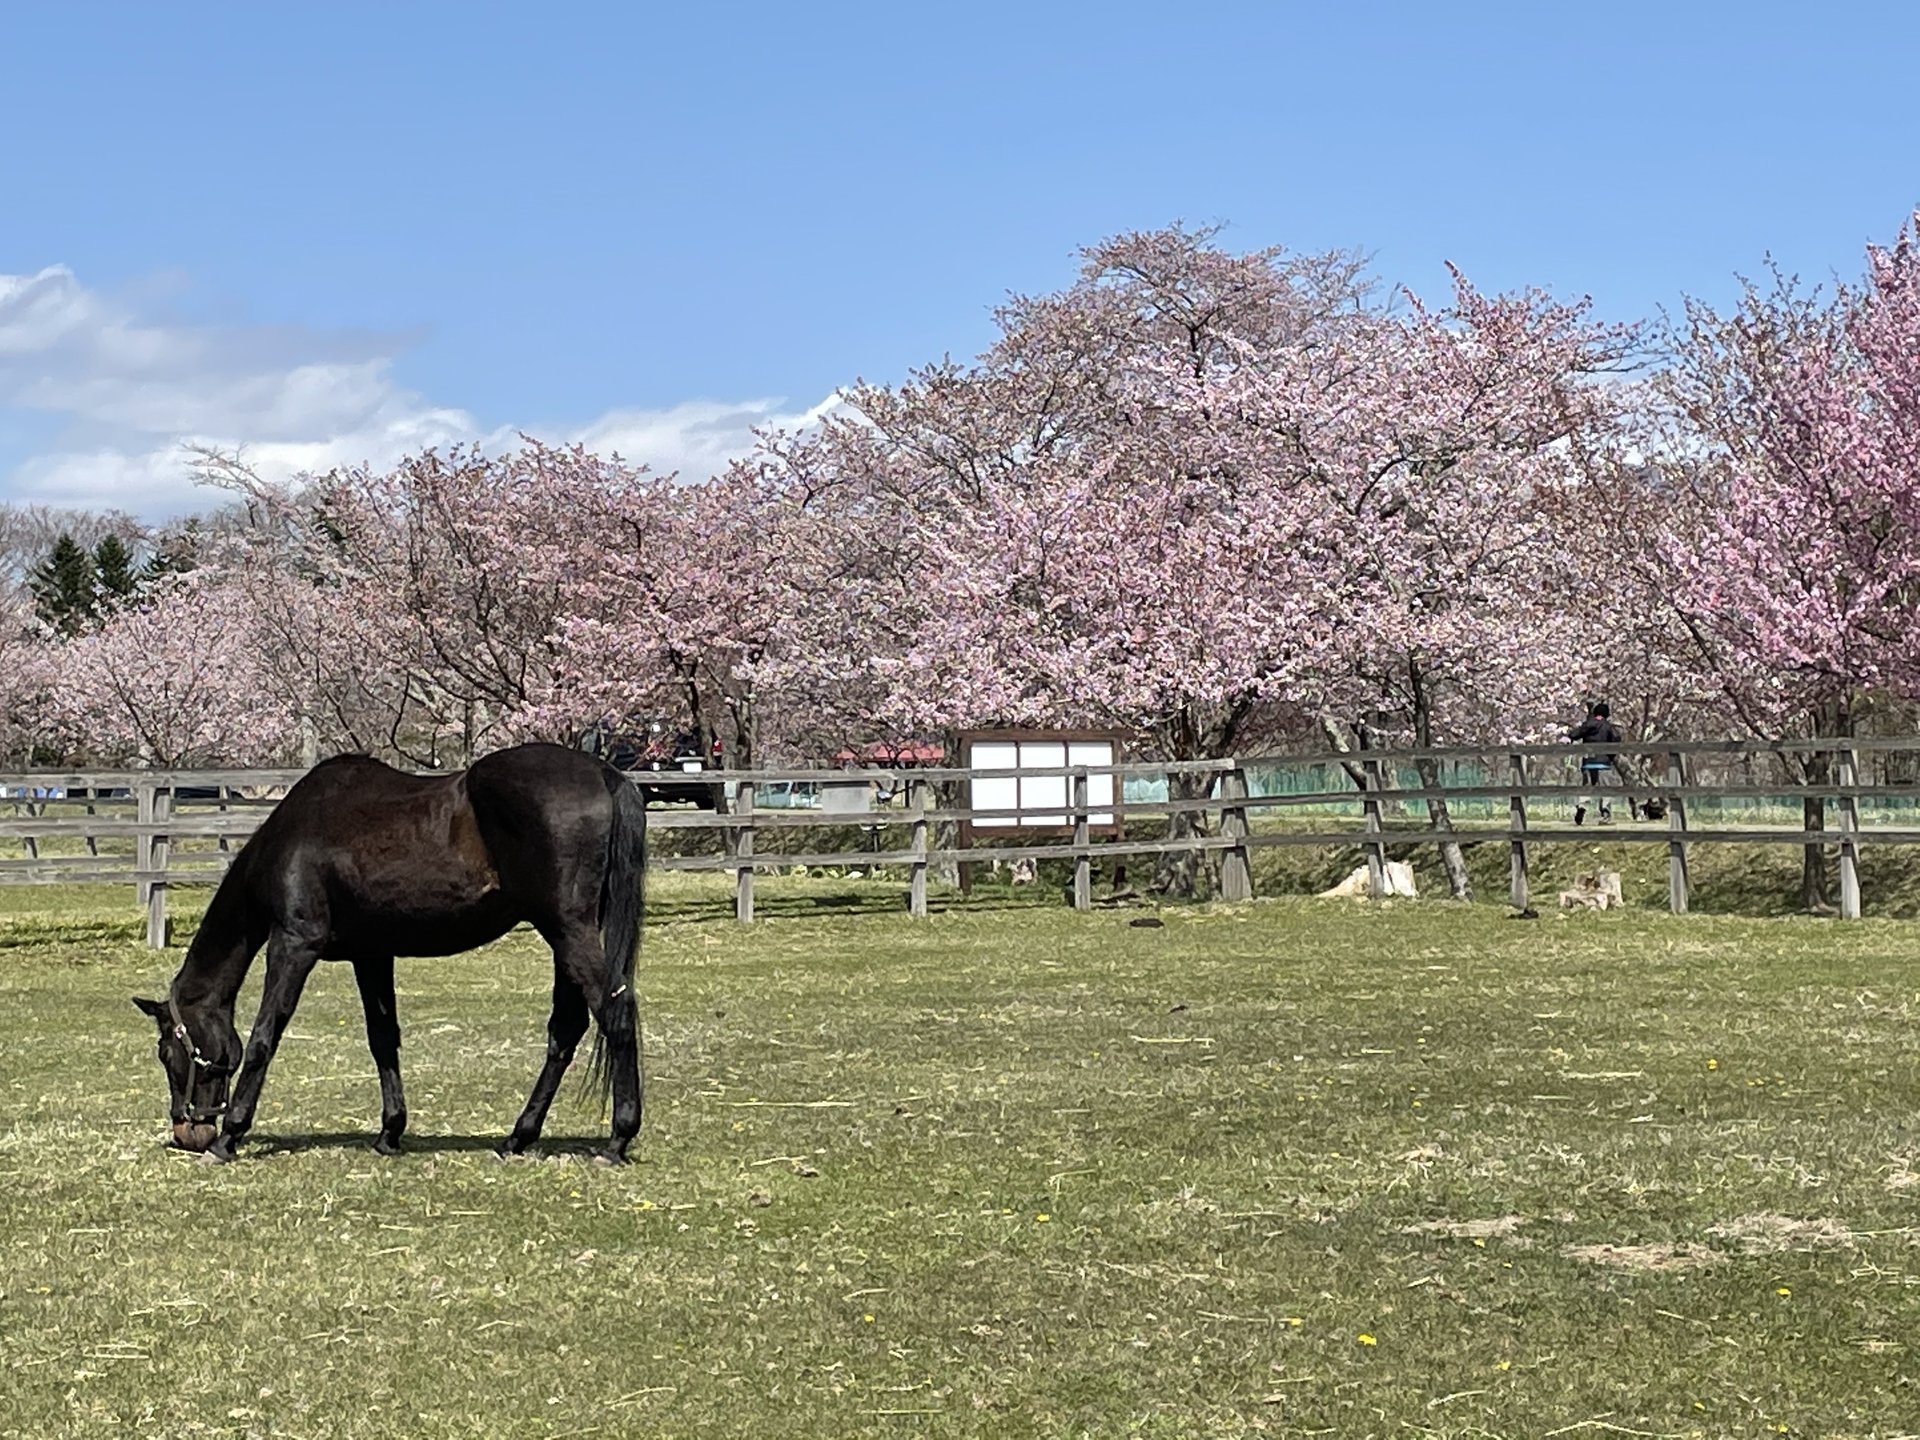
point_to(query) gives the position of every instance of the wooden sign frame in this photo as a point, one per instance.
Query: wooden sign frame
(1053, 806)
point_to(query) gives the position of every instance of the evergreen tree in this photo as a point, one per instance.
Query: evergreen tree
(114, 580)
(62, 587)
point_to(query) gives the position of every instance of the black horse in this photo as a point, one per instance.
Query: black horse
(362, 862)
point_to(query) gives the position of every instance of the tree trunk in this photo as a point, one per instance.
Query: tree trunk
(745, 723)
(474, 724)
(1452, 859)
(1187, 873)
(1355, 772)
(1813, 861)
(1198, 733)
(1834, 719)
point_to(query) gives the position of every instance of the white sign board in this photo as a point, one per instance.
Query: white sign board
(846, 797)
(1043, 800)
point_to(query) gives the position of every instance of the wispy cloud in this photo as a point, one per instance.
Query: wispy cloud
(131, 392)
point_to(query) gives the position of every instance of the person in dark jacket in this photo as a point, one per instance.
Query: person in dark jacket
(1597, 767)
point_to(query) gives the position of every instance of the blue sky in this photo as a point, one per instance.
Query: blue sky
(335, 232)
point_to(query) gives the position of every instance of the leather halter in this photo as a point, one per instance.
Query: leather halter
(200, 1065)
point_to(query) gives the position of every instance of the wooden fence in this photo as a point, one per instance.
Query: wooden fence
(80, 810)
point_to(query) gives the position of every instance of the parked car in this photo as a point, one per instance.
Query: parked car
(658, 749)
(787, 795)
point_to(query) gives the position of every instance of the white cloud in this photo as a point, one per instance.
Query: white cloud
(133, 393)
(696, 437)
(154, 483)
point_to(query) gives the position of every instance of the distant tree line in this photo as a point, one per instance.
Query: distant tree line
(75, 588)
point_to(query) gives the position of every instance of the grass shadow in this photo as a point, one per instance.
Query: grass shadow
(774, 905)
(555, 1147)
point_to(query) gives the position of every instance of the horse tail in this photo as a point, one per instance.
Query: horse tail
(622, 910)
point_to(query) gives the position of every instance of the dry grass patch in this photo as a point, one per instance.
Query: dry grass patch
(1903, 1176)
(1657, 1256)
(1499, 1227)
(1776, 1234)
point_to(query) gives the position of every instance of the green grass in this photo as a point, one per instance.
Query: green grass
(1304, 1167)
(1753, 880)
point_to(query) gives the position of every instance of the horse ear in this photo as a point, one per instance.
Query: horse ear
(155, 1009)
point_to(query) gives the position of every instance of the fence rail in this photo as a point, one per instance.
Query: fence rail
(169, 808)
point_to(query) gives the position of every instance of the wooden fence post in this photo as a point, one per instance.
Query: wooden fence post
(1082, 854)
(919, 793)
(33, 812)
(157, 928)
(1517, 823)
(743, 853)
(1376, 847)
(143, 796)
(1236, 866)
(1849, 838)
(1677, 826)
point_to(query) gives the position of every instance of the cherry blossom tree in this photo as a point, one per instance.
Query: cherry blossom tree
(24, 644)
(1056, 518)
(1802, 583)
(465, 599)
(419, 611)
(1195, 484)
(1448, 468)
(324, 636)
(1445, 455)
(171, 680)
(441, 553)
(1083, 527)
(679, 599)
(1801, 579)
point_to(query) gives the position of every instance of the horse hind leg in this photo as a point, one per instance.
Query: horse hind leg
(564, 1028)
(580, 979)
(619, 1017)
(374, 975)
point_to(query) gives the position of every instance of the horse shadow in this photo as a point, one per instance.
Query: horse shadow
(260, 1145)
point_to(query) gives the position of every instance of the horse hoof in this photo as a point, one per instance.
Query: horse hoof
(384, 1146)
(215, 1157)
(220, 1151)
(607, 1159)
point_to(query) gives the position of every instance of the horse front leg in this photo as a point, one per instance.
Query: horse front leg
(374, 975)
(290, 959)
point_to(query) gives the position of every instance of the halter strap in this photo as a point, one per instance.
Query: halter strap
(196, 1114)
(184, 1035)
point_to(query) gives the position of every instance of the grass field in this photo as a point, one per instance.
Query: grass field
(1288, 1168)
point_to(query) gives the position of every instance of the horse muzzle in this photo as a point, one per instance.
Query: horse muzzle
(194, 1135)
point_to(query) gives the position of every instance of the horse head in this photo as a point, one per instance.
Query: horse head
(200, 1053)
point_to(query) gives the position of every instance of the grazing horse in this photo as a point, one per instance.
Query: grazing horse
(362, 862)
